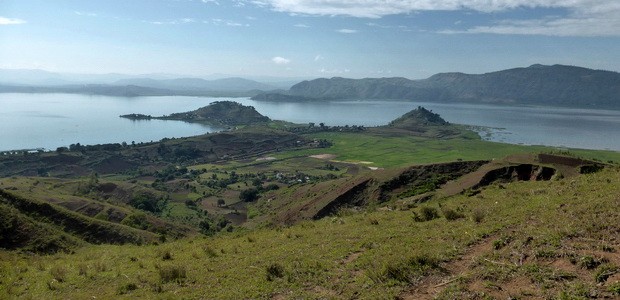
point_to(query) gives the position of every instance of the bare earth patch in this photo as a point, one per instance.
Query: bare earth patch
(323, 156)
(266, 158)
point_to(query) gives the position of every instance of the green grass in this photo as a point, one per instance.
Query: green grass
(368, 255)
(396, 151)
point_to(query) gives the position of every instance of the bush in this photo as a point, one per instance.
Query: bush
(136, 220)
(451, 214)
(614, 288)
(249, 195)
(477, 215)
(407, 271)
(604, 272)
(588, 262)
(59, 273)
(126, 288)
(172, 273)
(273, 271)
(426, 214)
(166, 255)
(501, 242)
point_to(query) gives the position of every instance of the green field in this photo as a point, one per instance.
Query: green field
(397, 151)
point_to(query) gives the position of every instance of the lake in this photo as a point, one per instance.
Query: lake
(51, 120)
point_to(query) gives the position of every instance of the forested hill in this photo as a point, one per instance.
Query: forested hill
(556, 85)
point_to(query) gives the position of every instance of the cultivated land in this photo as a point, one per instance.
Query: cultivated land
(418, 209)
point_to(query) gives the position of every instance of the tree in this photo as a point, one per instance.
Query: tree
(221, 202)
(249, 195)
(61, 149)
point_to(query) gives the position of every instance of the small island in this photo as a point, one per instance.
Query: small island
(220, 113)
(137, 117)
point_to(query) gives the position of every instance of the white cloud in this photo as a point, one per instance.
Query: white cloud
(301, 25)
(211, 1)
(334, 71)
(11, 21)
(570, 26)
(173, 22)
(81, 13)
(281, 60)
(318, 57)
(379, 8)
(583, 18)
(222, 22)
(346, 31)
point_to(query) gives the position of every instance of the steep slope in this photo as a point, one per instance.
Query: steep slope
(418, 117)
(36, 225)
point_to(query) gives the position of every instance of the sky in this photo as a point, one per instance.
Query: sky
(307, 38)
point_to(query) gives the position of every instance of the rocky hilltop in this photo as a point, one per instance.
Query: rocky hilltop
(418, 117)
(556, 85)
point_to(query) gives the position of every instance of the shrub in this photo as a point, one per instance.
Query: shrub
(501, 242)
(166, 255)
(477, 215)
(407, 271)
(249, 195)
(59, 273)
(614, 288)
(273, 271)
(588, 262)
(126, 288)
(82, 269)
(426, 214)
(210, 252)
(172, 273)
(451, 214)
(136, 220)
(605, 271)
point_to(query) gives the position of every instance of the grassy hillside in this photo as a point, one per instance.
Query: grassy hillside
(551, 239)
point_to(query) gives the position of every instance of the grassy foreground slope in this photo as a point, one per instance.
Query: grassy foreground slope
(549, 239)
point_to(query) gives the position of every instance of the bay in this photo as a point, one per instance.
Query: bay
(48, 121)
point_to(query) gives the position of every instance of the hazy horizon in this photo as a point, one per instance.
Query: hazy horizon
(305, 38)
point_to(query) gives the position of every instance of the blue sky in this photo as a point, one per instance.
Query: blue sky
(307, 38)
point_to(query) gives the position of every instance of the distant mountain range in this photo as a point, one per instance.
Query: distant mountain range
(556, 85)
(214, 82)
(197, 84)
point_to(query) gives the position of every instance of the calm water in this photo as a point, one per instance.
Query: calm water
(53, 120)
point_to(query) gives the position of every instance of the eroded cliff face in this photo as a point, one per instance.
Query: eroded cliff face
(522, 172)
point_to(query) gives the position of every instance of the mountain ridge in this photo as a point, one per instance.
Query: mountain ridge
(557, 85)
